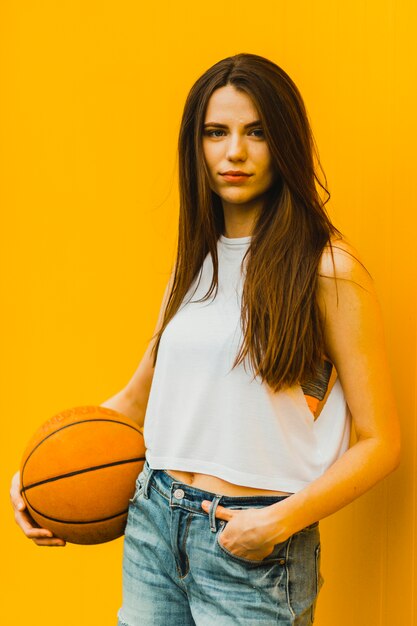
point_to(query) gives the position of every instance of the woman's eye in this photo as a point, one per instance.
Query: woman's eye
(209, 132)
(258, 130)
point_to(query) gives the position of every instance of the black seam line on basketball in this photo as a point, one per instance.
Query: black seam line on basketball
(97, 419)
(92, 521)
(82, 471)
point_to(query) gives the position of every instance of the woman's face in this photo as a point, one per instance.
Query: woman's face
(233, 140)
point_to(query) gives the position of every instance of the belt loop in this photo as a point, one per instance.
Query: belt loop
(212, 512)
(146, 484)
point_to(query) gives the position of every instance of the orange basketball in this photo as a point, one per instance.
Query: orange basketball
(78, 473)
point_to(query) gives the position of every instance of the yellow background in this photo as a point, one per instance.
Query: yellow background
(92, 94)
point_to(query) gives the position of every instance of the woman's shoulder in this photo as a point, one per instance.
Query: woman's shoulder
(341, 259)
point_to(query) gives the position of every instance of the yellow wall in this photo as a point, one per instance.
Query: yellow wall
(92, 98)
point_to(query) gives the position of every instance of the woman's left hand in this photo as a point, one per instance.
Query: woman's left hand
(248, 533)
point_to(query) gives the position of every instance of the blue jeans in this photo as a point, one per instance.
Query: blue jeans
(176, 573)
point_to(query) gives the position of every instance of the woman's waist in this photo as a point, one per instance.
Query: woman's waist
(219, 485)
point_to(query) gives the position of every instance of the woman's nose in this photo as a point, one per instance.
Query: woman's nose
(236, 148)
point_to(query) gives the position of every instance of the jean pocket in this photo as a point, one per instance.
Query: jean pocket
(138, 489)
(276, 556)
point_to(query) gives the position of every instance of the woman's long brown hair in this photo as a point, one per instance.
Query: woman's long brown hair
(282, 329)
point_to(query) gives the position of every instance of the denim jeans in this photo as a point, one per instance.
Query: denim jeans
(176, 573)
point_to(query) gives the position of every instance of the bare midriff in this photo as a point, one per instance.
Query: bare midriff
(220, 486)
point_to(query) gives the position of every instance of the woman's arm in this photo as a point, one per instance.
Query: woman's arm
(355, 343)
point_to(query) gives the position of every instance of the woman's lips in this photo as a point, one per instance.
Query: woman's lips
(236, 178)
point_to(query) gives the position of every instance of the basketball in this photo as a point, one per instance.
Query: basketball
(78, 473)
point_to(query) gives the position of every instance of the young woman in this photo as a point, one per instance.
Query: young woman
(269, 344)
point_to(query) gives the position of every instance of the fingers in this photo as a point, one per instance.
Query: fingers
(27, 524)
(40, 536)
(15, 496)
(221, 511)
(56, 542)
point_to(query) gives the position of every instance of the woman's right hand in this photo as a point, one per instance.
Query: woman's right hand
(41, 536)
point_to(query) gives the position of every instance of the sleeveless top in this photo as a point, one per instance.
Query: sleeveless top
(204, 417)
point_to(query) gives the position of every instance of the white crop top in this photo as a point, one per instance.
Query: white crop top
(204, 417)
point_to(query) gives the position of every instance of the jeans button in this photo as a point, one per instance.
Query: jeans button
(179, 493)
